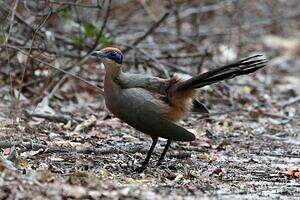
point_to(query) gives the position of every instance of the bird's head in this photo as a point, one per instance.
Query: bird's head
(109, 56)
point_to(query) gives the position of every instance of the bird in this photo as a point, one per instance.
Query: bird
(154, 105)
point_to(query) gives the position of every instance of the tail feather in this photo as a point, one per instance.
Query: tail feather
(244, 66)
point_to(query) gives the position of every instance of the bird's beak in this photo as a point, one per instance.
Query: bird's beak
(99, 54)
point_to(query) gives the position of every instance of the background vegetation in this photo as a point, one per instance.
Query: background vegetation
(57, 140)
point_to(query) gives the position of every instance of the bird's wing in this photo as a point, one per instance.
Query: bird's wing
(150, 83)
(141, 110)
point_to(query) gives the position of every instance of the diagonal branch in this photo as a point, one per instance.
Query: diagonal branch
(147, 33)
(58, 69)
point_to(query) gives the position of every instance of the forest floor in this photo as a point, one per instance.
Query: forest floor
(245, 151)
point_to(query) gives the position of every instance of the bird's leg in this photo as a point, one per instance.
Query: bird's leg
(162, 156)
(146, 161)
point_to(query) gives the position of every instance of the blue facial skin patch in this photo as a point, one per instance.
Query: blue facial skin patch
(112, 55)
(115, 56)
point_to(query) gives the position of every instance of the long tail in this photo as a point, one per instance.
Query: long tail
(244, 66)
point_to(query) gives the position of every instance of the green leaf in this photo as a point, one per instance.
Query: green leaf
(2, 39)
(77, 40)
(105, 40)
(66, 13)
(89, 29)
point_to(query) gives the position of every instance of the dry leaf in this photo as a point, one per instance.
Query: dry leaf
(86, 124)
(292, 172)
(217, 172)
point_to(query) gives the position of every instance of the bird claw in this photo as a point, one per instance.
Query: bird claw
(140, 169)
(159, 163)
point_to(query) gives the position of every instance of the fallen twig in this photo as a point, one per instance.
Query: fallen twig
(291, 101)
(29, 146)
(54, 118)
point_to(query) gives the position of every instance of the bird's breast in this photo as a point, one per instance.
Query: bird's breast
(112, 92)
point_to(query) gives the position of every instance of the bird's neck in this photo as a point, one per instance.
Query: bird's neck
(113, 70)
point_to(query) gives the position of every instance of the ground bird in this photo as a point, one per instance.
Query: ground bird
(153, 105)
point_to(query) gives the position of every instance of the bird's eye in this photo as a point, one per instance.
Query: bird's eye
(113, 53)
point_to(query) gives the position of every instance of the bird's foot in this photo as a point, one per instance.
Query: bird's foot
(141, 168)
(159, 163)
